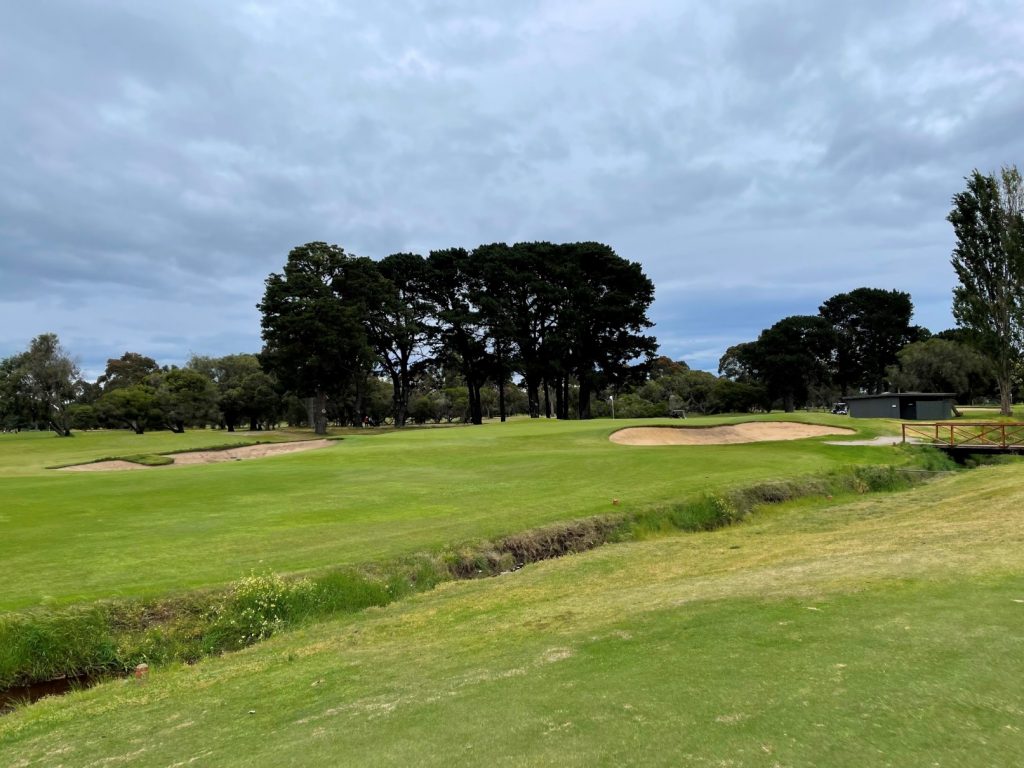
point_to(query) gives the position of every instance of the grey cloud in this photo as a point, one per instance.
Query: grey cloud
(160, 160)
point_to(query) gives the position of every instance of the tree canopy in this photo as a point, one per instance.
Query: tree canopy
(988, 258)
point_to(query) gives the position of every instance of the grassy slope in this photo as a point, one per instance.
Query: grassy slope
(79, 536)
(884, 631)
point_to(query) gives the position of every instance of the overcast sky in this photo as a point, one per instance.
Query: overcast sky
(158, 160)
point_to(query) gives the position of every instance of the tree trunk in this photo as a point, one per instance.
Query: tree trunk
(476, 414)
(357, 417)
(547, 400)
(583, 406)
(319, 413)
(400, 398)
(1005, 394)
(788, 402)
(533, 397)
(501, 399)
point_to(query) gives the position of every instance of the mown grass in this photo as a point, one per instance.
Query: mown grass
(114, 636)
(880, 631)
(77, 537)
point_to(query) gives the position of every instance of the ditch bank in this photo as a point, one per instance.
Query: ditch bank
(44, 652)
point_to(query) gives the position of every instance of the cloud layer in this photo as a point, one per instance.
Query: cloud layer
(161, 159)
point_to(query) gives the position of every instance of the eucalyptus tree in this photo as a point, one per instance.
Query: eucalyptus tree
(49, 379)
(943, 365)
(129, 369)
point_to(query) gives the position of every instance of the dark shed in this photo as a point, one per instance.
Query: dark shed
(909, 406)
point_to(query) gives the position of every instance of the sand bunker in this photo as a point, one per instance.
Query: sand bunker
(750, 432)
(208, 457)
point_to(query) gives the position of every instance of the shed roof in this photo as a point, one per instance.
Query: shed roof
(904, 396)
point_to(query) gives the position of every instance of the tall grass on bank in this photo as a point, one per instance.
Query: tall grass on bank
(114, 636)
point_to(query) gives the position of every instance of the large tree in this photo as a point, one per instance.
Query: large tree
(129, 369)
(313, 325)
(50, 377)
(184, 398)
(452, 286)
(244, 389)
(599, 333)
(398, 325)
(791, 357)
(871, 325)
(988, 221)
(134, 406)
(941, 365)
(532, 297)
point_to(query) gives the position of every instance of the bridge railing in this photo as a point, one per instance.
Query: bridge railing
(976, 435)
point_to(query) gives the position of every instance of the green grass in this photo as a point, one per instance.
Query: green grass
(886, 630)
(77, 537)
(114, 636)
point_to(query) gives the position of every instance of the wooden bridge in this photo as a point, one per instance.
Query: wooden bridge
(995, 437)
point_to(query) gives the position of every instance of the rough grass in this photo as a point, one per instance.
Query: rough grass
(881, 631)
(74, 537)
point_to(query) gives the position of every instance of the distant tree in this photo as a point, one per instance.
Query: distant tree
(739, 362)
(244, 390)
(15, 407)
(728, 396)
(184, 398)
(533, 296)
(791, 356)
(49, 379)
(499, 277)
(132, 406)
(871, 326)
(665, 366)
(128, 370)
(398, 325)
(314, 325)
(988, 302)
(940, 365)
(452, 287)
(83, 416)
(600, 328)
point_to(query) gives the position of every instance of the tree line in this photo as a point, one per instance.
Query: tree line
(863, 341)
(534, 328)
(560, 320)
(543, 329)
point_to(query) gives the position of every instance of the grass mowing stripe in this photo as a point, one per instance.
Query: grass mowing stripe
(67, 538)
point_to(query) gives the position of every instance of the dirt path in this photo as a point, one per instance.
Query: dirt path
(208, 457)
(750, 432)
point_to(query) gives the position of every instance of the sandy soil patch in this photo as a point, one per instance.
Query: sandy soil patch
(750, 432)
(208, 457)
